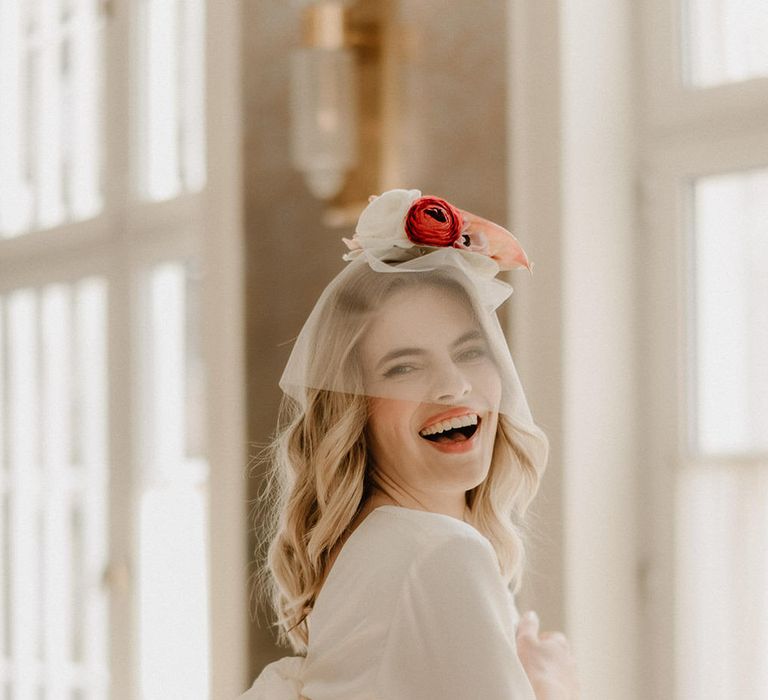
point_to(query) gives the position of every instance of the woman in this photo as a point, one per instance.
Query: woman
(404, 463)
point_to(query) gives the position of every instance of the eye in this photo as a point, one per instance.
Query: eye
(399, 370)
(472, 354)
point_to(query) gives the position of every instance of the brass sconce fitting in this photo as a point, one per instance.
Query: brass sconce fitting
(336, 78)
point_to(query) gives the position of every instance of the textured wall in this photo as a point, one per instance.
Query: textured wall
(445, 100)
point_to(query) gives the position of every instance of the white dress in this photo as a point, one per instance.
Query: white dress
(414, 608)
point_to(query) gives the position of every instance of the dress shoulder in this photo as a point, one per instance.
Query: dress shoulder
(280, 680)
(416, 532)
(452, 634)
(414, 607)
(377, 556)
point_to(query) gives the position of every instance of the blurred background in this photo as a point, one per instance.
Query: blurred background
(175, 180)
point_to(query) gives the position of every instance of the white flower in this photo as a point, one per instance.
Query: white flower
(381, 222)
(381, 226)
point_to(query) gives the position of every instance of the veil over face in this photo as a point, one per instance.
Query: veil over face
(421, 329)
(443, 436)
(425, 343)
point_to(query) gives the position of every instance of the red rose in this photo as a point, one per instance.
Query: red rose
(433, 221)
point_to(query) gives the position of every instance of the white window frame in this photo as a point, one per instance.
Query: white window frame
(667, 105)
(128, 235)
(685, 134)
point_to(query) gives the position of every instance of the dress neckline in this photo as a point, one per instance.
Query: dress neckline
(361, 526)
(345, 547)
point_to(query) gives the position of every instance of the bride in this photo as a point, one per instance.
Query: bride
(404, 463)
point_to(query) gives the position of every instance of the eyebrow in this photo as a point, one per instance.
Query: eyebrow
(401, 352)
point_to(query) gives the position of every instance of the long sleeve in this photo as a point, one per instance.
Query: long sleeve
(452, 635)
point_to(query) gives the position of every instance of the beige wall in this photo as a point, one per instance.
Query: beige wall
(288, 254)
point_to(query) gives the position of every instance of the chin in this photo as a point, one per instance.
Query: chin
(470, 473)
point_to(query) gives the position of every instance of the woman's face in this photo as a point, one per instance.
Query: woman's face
(434, 392)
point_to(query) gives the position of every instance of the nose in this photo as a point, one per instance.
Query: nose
(450, 384)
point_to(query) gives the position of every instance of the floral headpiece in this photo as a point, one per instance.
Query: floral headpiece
(401, 224)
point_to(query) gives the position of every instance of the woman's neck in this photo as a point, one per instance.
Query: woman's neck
(455, 508)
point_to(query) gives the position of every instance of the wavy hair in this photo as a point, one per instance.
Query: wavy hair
(319, 472)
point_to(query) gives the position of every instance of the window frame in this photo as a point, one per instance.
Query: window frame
(119, 244)
(669, 106)
(685, 133)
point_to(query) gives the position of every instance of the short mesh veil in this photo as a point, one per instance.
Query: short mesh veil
(396, 273)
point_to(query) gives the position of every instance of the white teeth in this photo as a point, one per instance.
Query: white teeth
(448, 424)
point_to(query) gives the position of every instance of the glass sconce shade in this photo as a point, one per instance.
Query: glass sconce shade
(324, 117)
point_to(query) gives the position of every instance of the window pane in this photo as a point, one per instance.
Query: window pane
(726, 41)
(172, 78)
(721, 611)
(53, 524)
(50, 134)
(173, 517)
(15, 188)
(730, 308)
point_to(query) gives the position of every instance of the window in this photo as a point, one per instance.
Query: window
(172, 510)
(705, 213)
(722, 499)
(172, 128)
(54, 486)
(729, 305)
(51, 54)
(724, 41)
(105, 477)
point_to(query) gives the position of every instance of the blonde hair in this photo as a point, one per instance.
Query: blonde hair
(319, 474)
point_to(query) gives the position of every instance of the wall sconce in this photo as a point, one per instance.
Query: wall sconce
(334, 116)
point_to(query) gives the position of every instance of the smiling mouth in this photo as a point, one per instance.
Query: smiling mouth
(454, 434)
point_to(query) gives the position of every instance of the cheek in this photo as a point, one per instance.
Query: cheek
(488, 383)
(388, 417)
